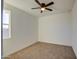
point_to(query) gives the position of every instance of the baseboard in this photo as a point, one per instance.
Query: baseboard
(56, 43)
(28, 47)
(6, 57)
(74, 52)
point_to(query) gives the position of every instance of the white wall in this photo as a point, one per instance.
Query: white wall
(23, 31)
(56, 29)
(74, 24)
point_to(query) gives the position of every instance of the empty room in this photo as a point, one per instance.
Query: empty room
(39, 29)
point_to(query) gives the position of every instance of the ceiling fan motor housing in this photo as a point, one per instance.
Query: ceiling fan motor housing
(42, 4)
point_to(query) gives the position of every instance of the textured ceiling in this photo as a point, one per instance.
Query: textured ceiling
(26, 5)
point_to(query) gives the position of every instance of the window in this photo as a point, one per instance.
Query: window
(6, 24)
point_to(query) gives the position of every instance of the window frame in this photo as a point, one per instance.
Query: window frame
(9, 25)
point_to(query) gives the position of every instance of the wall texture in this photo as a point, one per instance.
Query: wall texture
(56, 29)
(74, 27)
(27, 29)
(23, 31)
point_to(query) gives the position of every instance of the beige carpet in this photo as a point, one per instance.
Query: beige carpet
(44, 51)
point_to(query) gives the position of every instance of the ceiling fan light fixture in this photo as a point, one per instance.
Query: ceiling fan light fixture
(42, 9)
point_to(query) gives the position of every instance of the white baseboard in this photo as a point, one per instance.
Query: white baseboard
(56, 43)
(19, 49)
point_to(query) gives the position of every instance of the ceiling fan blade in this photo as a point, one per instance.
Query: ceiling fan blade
(49, 4)
(36, 8)
(38, 2)
(48, 9)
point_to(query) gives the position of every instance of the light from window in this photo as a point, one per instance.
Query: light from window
(6, 24)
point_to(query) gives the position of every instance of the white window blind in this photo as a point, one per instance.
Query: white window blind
(6, 24)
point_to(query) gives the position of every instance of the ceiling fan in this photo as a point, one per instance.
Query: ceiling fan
(43, 6)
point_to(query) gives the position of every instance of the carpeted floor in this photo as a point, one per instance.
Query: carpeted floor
(44, 51)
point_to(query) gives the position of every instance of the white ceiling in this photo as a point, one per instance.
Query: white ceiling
(26, 5)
